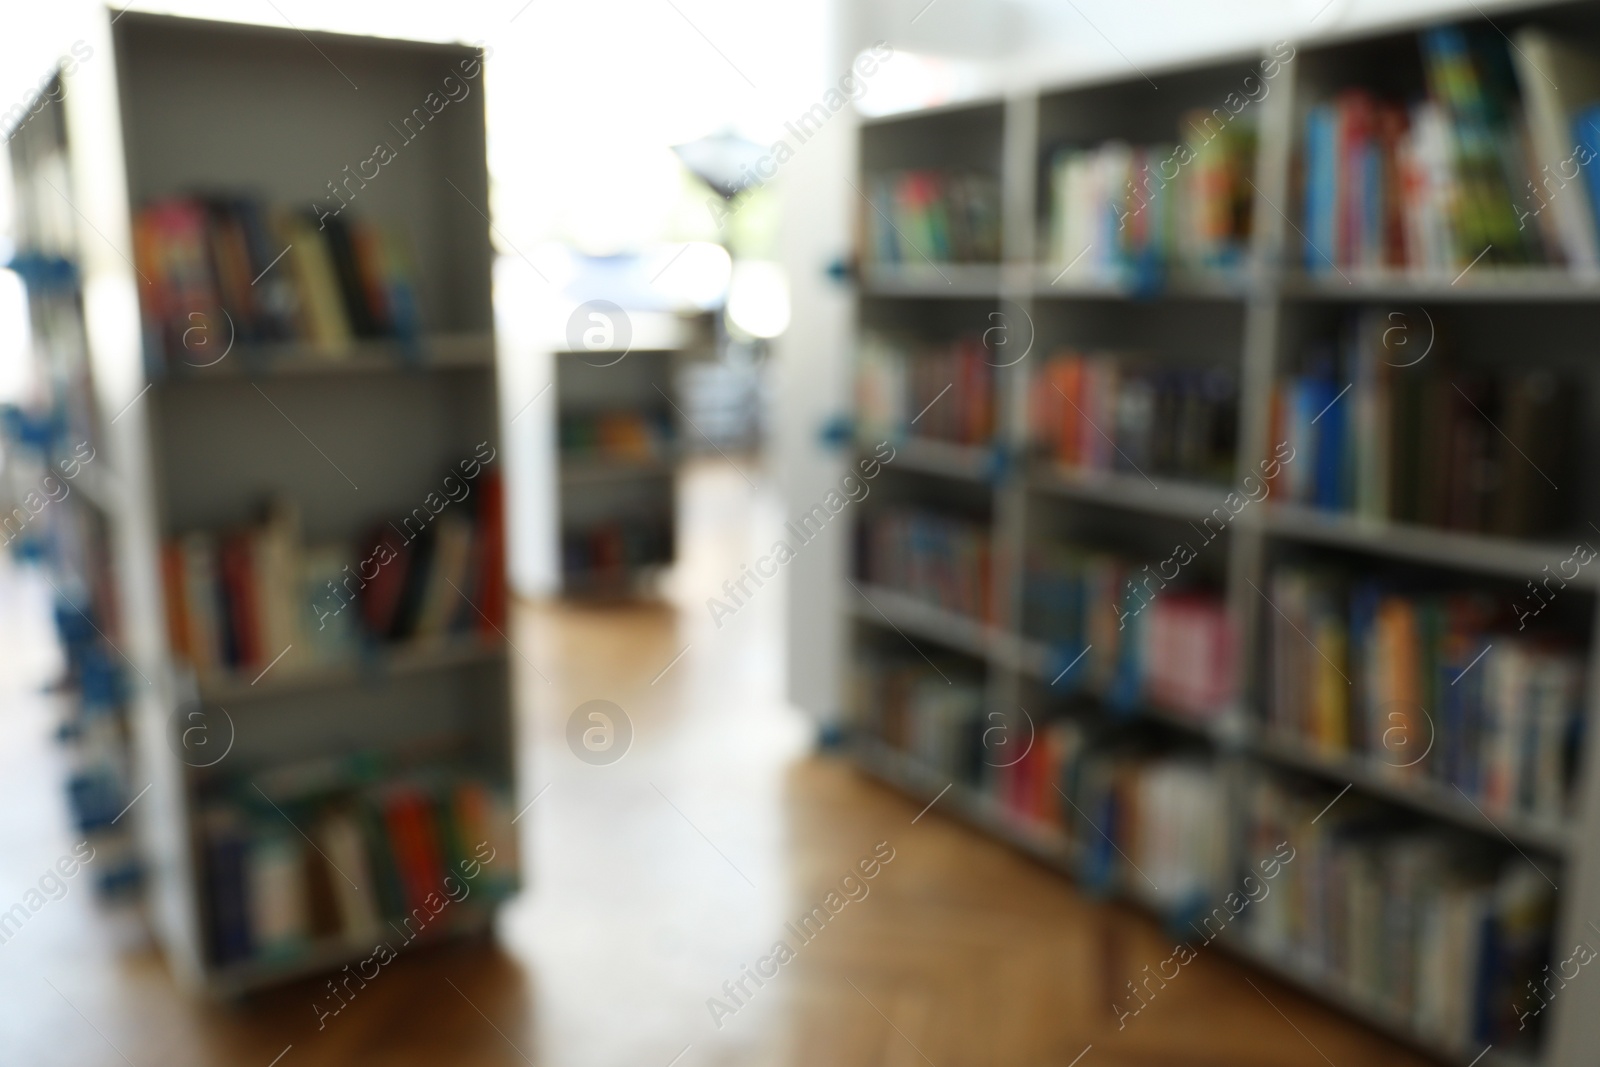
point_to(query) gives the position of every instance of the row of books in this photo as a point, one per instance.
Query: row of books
(918, 216)
(1431, 684)
(615, 548)
(1114, 632)
(1116, 207)
(236, 600)
(1436, 931)
(1113, 412)
(934, 714)
(374, 856)
(1425, 443)
(940, 391)
(1056, 777)
(1464, 171)
(939, 559)
(638, 435)
(213, 271)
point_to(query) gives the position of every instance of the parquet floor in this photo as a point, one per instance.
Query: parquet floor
(654, 880)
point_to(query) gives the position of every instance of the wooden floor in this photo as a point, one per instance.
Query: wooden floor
(655, 880)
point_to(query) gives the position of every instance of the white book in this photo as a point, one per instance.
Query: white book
(275, 878)
(341, 839)
(1557, 80)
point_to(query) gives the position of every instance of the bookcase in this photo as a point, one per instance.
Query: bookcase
(1149, 395)
(285, 361)
(618, 454)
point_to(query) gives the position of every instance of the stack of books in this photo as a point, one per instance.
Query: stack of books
(1093, 791)
(1117, 209)
(1126, 640)
(919, 216)
(1111, 412)
(1430, 684)
(215, 261)
(939, 559)
(1424, 927)
(635, 435)
(1488, 163)
(945, 392)
(237, 599)
(387, 855)
(1386, 429)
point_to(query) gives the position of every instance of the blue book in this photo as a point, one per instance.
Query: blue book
(1332, 419)
(1586, 132)
(1319, 208)
(1363, 614)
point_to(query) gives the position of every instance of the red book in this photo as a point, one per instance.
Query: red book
(177, 601)
(380, 597)
(242, 598)
(492, 556)
(402, 846)
(415, 844)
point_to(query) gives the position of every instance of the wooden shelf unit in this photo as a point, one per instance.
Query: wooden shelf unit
(174, 106)
(1248, 317)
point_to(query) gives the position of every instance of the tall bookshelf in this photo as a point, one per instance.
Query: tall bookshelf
(1251, 318)
(345, 436)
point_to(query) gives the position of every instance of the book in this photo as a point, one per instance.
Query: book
(1129, 641)
(1118, 412)
(939, 559)
(1434, 184)
(271, 274)
(1439, 930)
(1128, 213)
(393, 849)
(1386, 425)
(1424, 684)
(944, 391)
(1558, 81)
(922, 216)
(238, 599)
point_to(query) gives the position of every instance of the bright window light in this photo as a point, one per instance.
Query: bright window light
(758, 298)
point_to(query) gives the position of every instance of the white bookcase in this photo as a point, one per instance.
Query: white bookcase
(171, 106)
(1254, 320)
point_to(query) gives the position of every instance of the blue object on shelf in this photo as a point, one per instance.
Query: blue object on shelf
(836, 432)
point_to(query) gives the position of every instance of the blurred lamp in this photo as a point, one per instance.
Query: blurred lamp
(725, 161)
